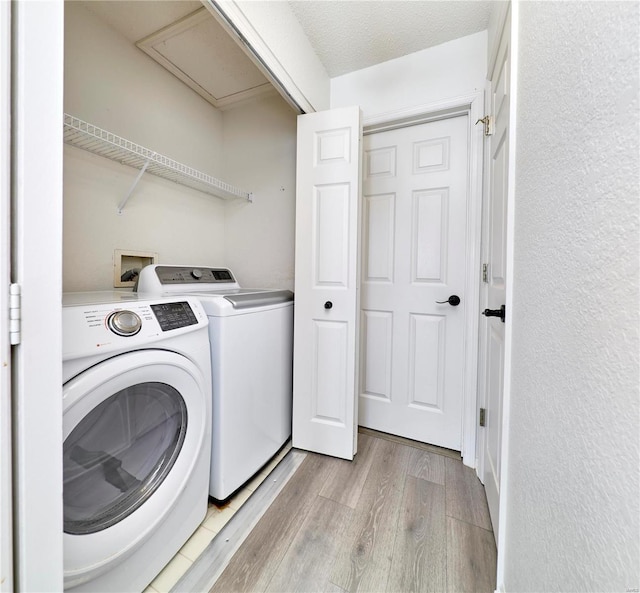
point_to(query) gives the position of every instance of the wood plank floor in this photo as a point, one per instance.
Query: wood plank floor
(398, 518)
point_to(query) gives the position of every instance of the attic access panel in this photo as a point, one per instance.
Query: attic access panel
(198, 51)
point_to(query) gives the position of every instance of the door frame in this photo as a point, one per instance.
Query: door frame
(36, 249)
(472, 105)
(6, 518)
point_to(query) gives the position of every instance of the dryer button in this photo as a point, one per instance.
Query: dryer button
(124, 323)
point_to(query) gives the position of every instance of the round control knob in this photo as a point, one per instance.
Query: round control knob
(328, 305)
(196, 273)
(124, 323)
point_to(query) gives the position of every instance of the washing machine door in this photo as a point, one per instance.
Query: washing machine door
(134, 427)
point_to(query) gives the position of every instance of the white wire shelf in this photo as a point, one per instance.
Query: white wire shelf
(98, 141)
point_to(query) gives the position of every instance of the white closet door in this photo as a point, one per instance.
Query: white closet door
(493, 330)
(326, 295)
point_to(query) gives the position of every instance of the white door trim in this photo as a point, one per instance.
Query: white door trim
(472, 105)
(502, 542)
(6, 528)
(37, 96)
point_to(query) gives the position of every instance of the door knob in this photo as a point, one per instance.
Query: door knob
(328, 305)
(453, 300)
(495, 313)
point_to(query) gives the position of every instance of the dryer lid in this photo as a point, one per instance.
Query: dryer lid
(252, 299)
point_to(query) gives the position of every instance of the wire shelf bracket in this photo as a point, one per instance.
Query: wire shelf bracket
(84, 135)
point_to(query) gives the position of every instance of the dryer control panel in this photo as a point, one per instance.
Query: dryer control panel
(163, 279)
(188, 275)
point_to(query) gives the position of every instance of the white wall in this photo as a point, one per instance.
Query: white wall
(425, 77)
(112, 84)
(573, 514)
(260, 154)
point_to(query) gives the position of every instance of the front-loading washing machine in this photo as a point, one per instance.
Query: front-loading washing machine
(137, 430)
(251, 335)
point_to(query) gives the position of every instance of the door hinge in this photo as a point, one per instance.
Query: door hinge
(483, 413)
(485, 273)
(14, 314)
(488, 121)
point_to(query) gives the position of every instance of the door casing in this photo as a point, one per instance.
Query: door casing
(6, 502)
(471, 105)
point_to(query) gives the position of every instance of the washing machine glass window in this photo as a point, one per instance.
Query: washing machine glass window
(119, 453)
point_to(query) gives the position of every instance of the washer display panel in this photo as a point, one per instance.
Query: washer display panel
(119, 454)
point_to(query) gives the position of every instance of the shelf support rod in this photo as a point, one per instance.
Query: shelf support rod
(122, 204)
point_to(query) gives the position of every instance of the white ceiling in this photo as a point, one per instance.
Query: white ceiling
(347, 35)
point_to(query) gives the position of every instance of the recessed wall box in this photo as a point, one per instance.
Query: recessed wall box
(127, 265)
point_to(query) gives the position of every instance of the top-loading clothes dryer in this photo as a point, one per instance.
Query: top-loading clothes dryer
(251, 336)
(137, 433)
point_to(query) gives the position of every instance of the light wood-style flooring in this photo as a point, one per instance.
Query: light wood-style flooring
(398, 518)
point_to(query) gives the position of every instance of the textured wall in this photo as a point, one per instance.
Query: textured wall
(573, 490)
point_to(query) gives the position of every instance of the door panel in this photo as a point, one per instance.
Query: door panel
(331, 235)
(426, 357)
(330, 394)
(415, 215)
(326, 310)
(376, 329)
(494, 404)
(429, 236)
(379, 238)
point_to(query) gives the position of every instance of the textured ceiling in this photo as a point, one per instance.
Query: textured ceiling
(349, 35)
(346, 35)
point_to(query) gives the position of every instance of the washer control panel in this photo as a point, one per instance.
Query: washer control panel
(174, 315)
(100, 327)
(124, 323)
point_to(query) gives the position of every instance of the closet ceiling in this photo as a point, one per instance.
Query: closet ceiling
(184, 37)
(346, 35)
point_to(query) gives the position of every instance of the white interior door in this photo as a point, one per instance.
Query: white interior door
(415, 192)
(495, 242)
(326, 277)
